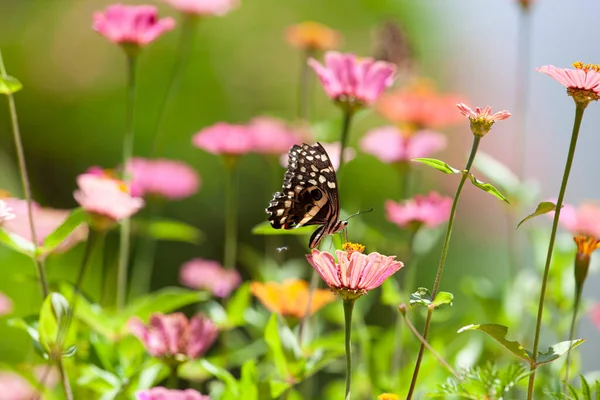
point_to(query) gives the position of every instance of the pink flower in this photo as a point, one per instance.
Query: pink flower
(595, 315)
(167, 178)
(106, 197)
(584, 220)
(333, 151)
(16, 386)
(583, 77)
(352, 81)
(223, 138)
(203, 7)
(390, 145)
(6, 305)
(132, 25)
(6, 213)
(174, 336)
(209, 275)
(355, 273)
(272, 136)
(482, 119)
(161, 393)
(430, 210)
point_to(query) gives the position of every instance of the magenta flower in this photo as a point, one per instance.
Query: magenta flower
(351, 81)
(355, 273)
(161, 393)
(223, 138)
(6, 305)
(272, 136)
(6, 212)
(430, 210)
(105, 197)
(16, 386)
(131, 25)
(203, 7)
(585, 77)
(482, 119)
(174, 336)
(209, 275)
(390, 145)
(161, 177)
(584, 220)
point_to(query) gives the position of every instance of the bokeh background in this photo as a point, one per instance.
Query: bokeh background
(71, 113)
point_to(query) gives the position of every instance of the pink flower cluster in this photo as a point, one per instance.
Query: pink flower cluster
(583, 220)
(161, 177)
(161, 393)
(203, 7)
(16, 386)
(390, 145)
(430, 210)
(6, 305)
(210, 275)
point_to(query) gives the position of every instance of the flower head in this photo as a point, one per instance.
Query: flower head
(482, 119)
(389, 144)
(161, 393)
(17, 386)
(131, 25)
(290, 298)
(352, 82)
(312, 36)
(209, 275)
(6, 305)
(6, 212)
(582, 83)
(166, 178)
(173, 336)
(271, 136)
(584, 223)
(223, 138)
(430, 210)
(203, 7)
(355, 273)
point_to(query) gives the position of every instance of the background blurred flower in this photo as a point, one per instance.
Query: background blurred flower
(389, 144)
(290, 298)
(223, 138)
(272, 136)
(167, 178)
(203, 7)
(16, 387)
(6, 212)
(430, 210)
(173, 335)
(583, 220)
(595, 315)
(210, 275)
(161, 393)
(6, 305)
(312, 36)
(136, 25)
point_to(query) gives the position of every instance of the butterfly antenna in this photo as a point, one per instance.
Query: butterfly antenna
(359, 212)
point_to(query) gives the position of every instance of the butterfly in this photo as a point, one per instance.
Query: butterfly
(309, 195)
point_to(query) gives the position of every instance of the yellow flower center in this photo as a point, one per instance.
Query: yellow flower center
(586, 67)
(388, 396)
(350, 248)
(586, 244)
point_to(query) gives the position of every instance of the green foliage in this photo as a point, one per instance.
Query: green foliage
(585, 392)
(171, 230)
(543, 208)
(487, 187)
(265, 228)
(9, 85)
(498, 333)
(437, 164)
(423, 297)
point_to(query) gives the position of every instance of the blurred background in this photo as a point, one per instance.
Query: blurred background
(71, 113)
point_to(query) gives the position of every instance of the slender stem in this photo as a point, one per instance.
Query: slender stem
(230, 256)
(442, 263)
(348, 307)
(304, 85)
(64, 378)
(184, 49)
(578, 290)
(174, 376)
(39, 266)
(127, 154)
(579, 109)
(345, 133)
(314, 282)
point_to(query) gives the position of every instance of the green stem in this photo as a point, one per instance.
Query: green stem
(578, 290)
(580, 108)
(230, 256)
(442, 263)
(345, 133)
(174, 377)
(304, 85)
(184, 50)
(127, 154)
(39, 266)
(348, 307)
(64, 378)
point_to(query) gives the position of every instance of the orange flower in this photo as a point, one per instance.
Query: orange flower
(312, 36)
(290, 297)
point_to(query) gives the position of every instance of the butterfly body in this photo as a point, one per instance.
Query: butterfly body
(309, 195)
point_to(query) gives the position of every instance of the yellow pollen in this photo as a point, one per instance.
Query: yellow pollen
(5, 194)
(388, 396)
(586, 67)
(122, 186)
(586, 244)
(350, 248)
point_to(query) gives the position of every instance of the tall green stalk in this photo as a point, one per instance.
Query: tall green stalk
(573, 329)
(347, 119)
(579, 109)
(348, 307)
(231, 211)
(442, 263)
(304, 84)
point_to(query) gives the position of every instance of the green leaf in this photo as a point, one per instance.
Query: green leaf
(223, 375)
(557, 350)
(171, 230)
(54, 316)
(54, 239)
(487, 187)
(16, 242)
(249, 380)
(8, 84)
(421, 297)
(93, 315)
(437, 164)
(585, 388)
(238, 304)
(29, 324)
(498, 332)
(276, 347)
(443, 299)
(543, 208)
(265, 228)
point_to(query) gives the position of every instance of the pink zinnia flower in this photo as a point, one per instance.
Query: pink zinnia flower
(166, 178)
(584, 220)
(482, 119)
(272, 136)
(16, 386)
(6, 212)
(106, 197)
(223, 138)
(355, 273)
(174, 335)
(131, 25)
(583, 77)
(595, 315)
(209, 275)
(430, 210)
(390, 145)
(203, 7)
(351, 81)
(6, 305)
(161, 393)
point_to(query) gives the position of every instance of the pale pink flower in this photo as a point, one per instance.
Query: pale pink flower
(595, 315)
(17, 387)
(6, 212)
(355, 273)
(272, 136)
(353, 81)
(482, 119)
(6, 306)
(174, 335)
(210, 275)
(203, 7)
(430, 210)
(166, 178)
(223, 138)
(389, 144)
(583, 220)
(106, 197)
(161, 393)
(333, 151)
(583, 77)
(131, 25)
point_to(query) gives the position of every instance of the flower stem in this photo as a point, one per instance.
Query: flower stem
(39, 266)
(64, 378)
(230, 255)
(304, 85)
(348, 307)
(442, 263)
(184, 50)
(578, 290)
(345, 133)
(127, 153)
(174, 376)
(579, 109)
